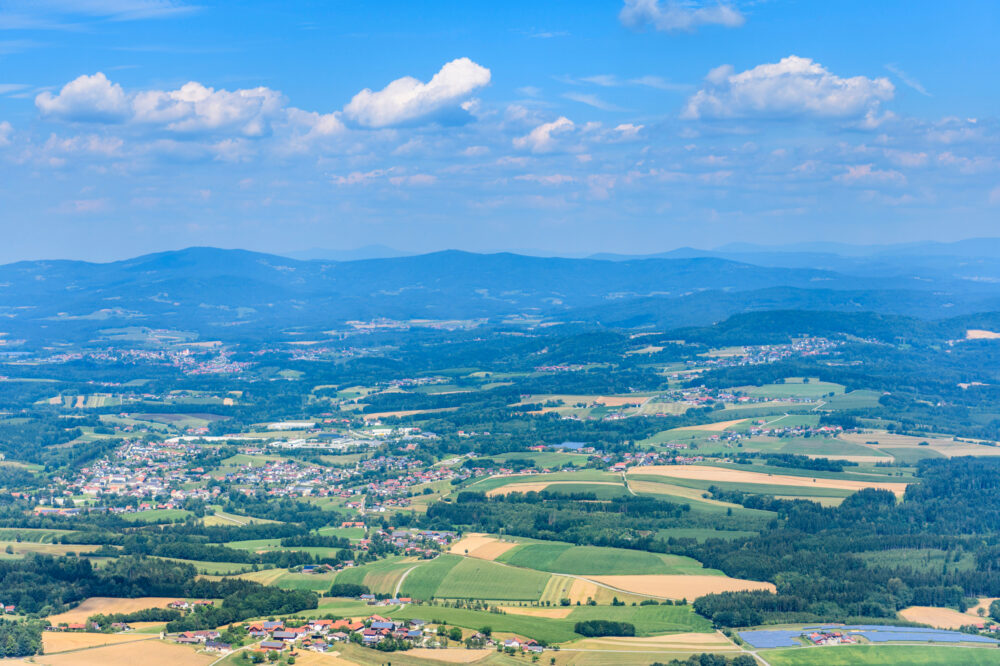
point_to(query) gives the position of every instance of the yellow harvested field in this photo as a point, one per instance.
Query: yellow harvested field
(944, 618)
(310, 658)
(980, 334)
(984, 603)
(582, 589)
(681, 587)
(715, 427)
(554, 613)
(714, 641)
(450, 655)
(148, 653)
(26, 547)
(481, 546)
(95, 605)
(708, 473)
(542, 485)
(63, 641)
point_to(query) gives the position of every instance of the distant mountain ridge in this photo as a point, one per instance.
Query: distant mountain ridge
(234, 292)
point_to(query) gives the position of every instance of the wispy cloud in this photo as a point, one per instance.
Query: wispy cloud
(614, 81)
(675, 16)
(594, 101)
(69, 14)
(907, 79)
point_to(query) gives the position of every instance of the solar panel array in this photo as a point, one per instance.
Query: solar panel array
(875, 633)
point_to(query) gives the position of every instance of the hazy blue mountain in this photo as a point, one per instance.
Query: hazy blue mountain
(365, 252)
(232, 292)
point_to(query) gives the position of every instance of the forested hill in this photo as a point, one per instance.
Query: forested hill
(226, 293)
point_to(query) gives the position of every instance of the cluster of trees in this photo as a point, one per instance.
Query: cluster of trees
(707, 659)
(604, 628)
(20, 639)
(814, 554)
(245, 599)
(105, 620)
(580, 518)
(348, 590)
(794, 461)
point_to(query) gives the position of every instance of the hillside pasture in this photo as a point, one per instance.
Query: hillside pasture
(423, 581)
(594, 560)
(381, 576)
(793, 387)
(481, 579)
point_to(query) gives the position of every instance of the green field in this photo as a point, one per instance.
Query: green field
(481, 579)
(785, 421)
(860, 399)
(601, 491)
(157, 516)
(648, 620)
(595, 561)
(381, 576)
(862, 655)
(423, 582)
(825, 446)
(911, 456)
(31, 534)
(540, 628)
(544, 460)
(792, 388)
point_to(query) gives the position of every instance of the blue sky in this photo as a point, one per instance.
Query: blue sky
(131, 126)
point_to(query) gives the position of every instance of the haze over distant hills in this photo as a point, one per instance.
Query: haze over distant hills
(232, 293)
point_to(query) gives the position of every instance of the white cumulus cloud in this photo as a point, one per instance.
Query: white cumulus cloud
(408, 101)
(197, 108)
(192, 108)
(676, 16)
(793, 86)
(6, 130)
(86, 99)
(541, 139)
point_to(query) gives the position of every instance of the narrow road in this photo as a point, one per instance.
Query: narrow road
(230, 519)
(399, 585)
(627, 487)
(226, 656)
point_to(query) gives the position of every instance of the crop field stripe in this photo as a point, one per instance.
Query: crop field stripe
(424, 581)
(482, 579)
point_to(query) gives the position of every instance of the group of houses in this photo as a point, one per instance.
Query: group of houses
(321, 635)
